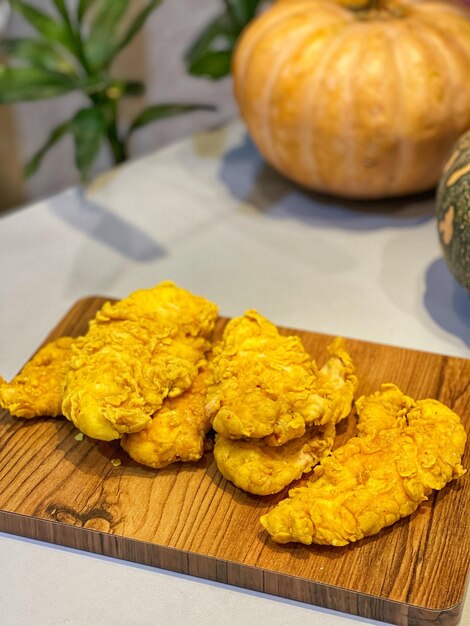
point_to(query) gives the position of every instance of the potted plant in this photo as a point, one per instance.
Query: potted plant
(74, 48)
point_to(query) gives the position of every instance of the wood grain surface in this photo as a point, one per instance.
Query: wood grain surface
(188, 518)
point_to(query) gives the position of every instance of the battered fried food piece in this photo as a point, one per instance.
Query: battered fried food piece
(336, 383)
(259, 468)
(259, 382)
(36, 390)
(263, 470)
(404, 449)
(137, 352)
(176, 432)
(265, 385)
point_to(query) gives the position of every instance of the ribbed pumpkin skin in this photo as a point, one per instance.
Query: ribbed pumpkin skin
(453, 211)
(364, 107)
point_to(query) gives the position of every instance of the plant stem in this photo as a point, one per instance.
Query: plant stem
(118, 146)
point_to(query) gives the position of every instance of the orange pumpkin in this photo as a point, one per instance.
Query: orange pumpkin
(364, 102)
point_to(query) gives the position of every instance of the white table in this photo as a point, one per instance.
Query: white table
(208, 214)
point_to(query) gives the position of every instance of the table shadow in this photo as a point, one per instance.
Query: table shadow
(446, 301)
(99, 223)
(251, 180)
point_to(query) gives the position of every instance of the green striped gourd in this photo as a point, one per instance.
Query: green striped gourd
(453, 211)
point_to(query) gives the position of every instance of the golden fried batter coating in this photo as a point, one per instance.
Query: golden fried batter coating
(336, 383)
(176, 432)
(36, 390)
(404, 449)
(260, 382)
(137, 352)
(261, 469)
(264, 385)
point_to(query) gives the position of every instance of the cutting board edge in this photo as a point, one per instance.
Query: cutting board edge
(222, 571)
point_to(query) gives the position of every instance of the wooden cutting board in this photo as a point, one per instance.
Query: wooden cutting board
(189, 519)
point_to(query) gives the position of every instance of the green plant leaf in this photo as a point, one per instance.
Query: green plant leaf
(157, 112)
(62, 8)
(44, 24)
(38, 53)
(242, 10)
(211, 52)
(28, 83)
(136, 25)
(119, 88)
(89, 128)
(214, 65)
(101, 44)
(33, 164)
(114, 89)
(82, 8)
(220, 33)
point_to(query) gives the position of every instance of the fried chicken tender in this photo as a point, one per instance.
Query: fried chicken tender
(263, 385)
(404, 449)
(37, 390)
(176, 432)
(136, 352)
(336, 384)
(262, 469)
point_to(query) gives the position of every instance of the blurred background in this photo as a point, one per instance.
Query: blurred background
(155, 57)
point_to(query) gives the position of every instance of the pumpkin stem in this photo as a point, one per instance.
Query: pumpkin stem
(362, 6)
(376, 9)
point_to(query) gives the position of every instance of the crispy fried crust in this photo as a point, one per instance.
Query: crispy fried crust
(37, 390)
(137, 352)
(176, 432)
(404, 450)
(265, 385)
(260, 468)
